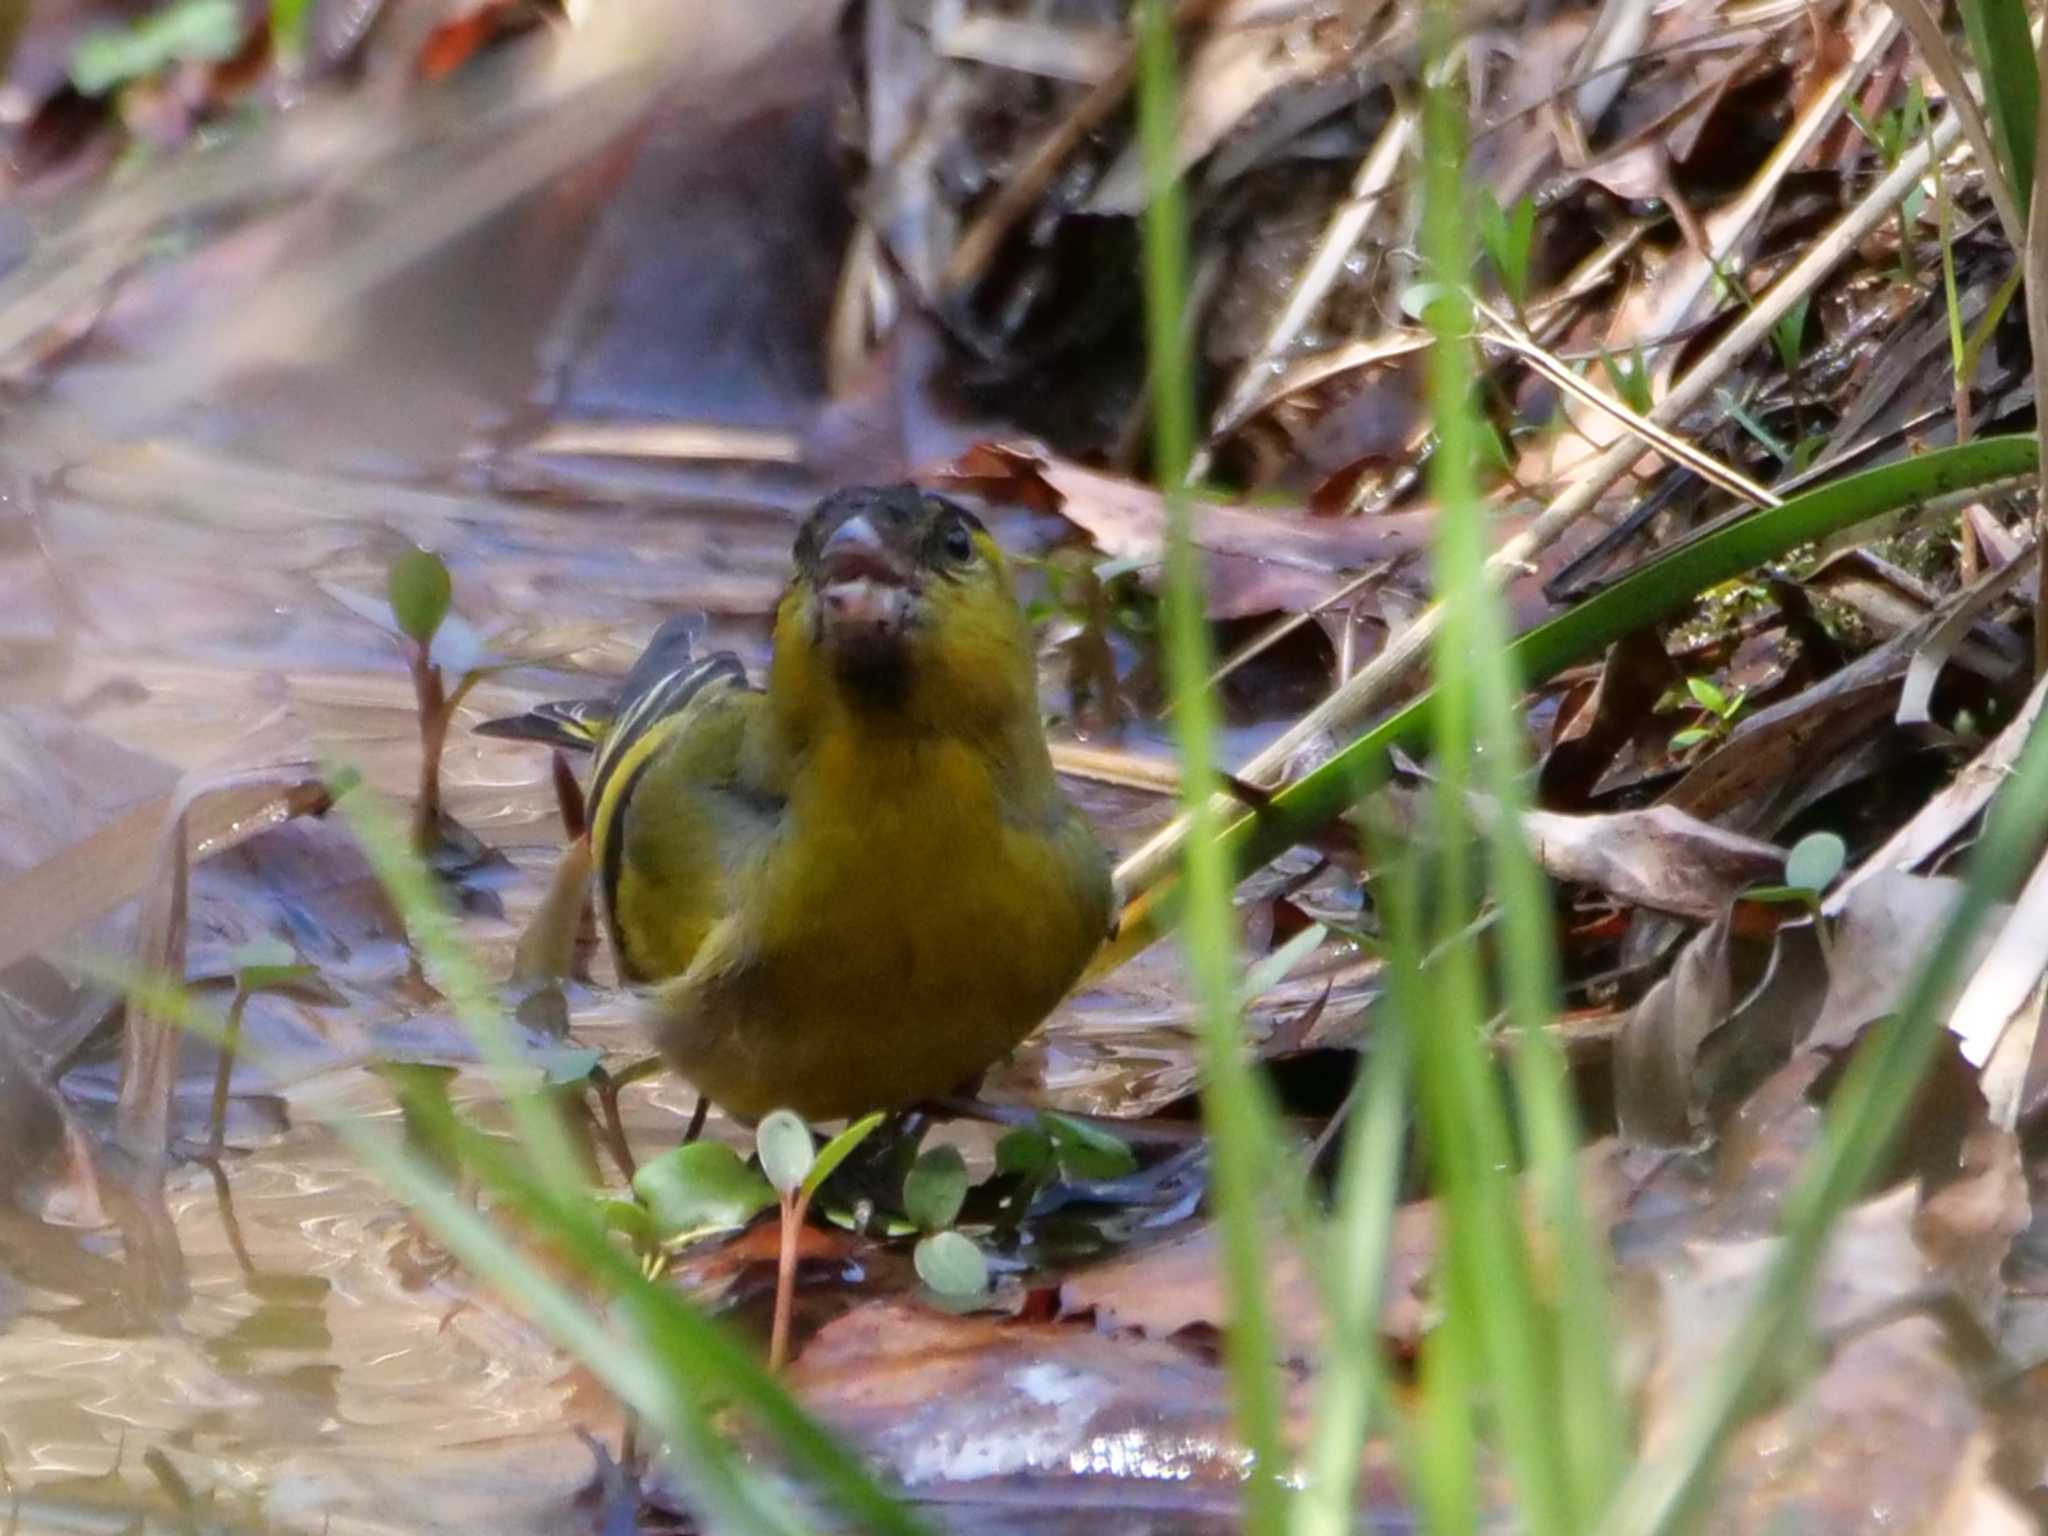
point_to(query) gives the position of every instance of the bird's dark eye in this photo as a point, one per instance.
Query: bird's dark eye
(959, 542)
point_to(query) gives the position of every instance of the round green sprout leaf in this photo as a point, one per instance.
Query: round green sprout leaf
(951, 1265)
(1815, 860)
(420, 593)
(1025, 1153)
(700, 1188)
(935, 1189)
(1087, 1151)
(786, 1149)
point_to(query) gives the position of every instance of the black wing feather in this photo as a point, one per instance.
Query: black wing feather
(661, 682)
(577, 724)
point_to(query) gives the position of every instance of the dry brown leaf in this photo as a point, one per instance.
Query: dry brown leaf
(1263, 561)
(1886, 1433)
(1967, 1226)
(1634, 676)
(99, 859)
(1881, 935)
(1250, 53)
(1176, 1285)
(1963, 612)
(1656, 1097)
(1784, 745)
(1659, 858)
(1941, 818)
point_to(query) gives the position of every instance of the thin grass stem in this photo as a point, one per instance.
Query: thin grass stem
(1230, 1109)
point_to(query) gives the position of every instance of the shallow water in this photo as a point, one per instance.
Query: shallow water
(326, 1370)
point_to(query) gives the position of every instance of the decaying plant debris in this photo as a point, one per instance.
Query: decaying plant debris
(1727, 256)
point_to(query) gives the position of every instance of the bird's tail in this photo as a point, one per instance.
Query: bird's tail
(577, 724)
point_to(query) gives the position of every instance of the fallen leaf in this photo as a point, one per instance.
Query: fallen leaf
(1655, 1086)
(1635, 675)
(1966, 1227)
(1659, 858)
(1881, 1434)
(1264, 560)
(1938, 821)
(1882, 934)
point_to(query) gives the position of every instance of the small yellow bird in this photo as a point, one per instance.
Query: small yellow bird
(860, 886)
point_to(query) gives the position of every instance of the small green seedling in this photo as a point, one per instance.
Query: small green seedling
(420, 594)
(1744, 418)
(796, 1168)
(1509, 236)
(1892, 135)
(1719, 713)
(1813, 865)
(1629, 377)
(935, 1189)
(439, 645)
(608, 1085)
(264, 965)
(1789, 335)
(948, 1261)
(952, 1265)
(1054, 1147)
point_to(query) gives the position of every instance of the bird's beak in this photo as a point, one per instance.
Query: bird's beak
(863, 584)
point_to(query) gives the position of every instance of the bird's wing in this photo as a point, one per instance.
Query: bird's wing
(658, 690)
(661, 683)
(673, 811)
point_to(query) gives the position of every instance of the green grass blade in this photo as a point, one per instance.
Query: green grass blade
(695, 1357)
(437, 940)
(1657, 591)
(1445, 1460)
(715, 1479)
(1579, 1412)
(689, 1364)
(694, 1351)
(2003, 47)
(1351, 1381)
(1663, 1495)
(1492, 1280)
(1242, 1155)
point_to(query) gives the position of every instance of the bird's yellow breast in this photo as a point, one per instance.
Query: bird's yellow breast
(906, 927)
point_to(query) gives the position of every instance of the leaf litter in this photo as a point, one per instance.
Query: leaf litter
(1651, 173)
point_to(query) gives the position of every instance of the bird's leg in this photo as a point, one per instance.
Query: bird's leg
(697, 1117)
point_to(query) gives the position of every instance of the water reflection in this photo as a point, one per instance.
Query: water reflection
(277, 1330)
